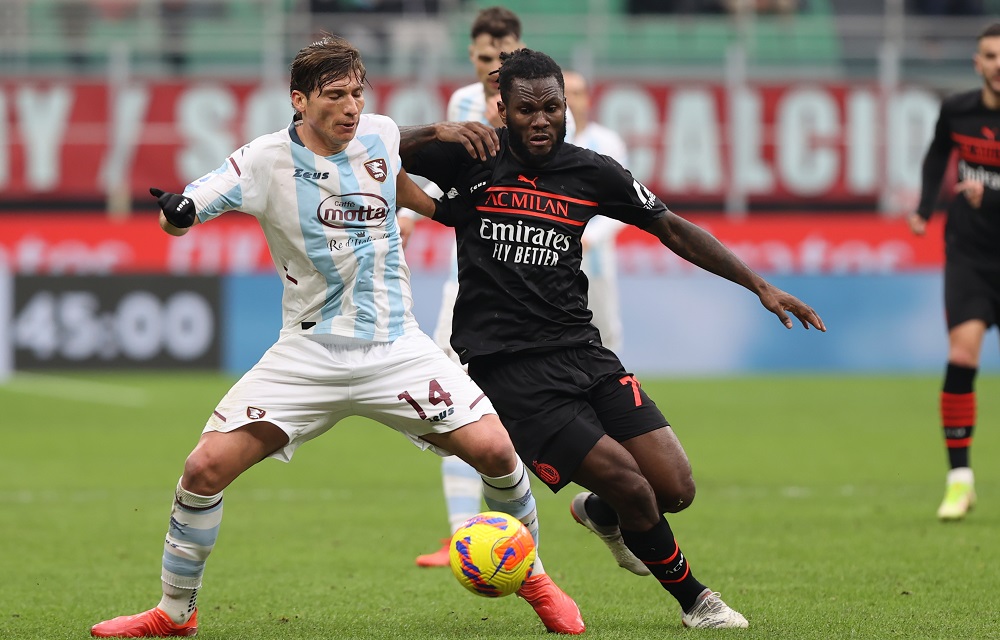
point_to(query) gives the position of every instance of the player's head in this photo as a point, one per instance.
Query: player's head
(577, 97)
(327, 90)
(987, 58)
(494, 30)
(533, 105)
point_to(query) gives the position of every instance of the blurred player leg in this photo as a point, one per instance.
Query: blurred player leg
(463, 488)
(958, 404)
(463, 494)
(958, 416)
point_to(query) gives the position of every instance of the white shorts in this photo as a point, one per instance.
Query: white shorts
(304, 386)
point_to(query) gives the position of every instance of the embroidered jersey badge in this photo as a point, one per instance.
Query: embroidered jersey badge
(377, 169)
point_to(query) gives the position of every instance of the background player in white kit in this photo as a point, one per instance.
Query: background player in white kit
(325, 192)
(600, 258)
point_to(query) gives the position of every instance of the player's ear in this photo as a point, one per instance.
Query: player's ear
(502, 112)
(299, 100)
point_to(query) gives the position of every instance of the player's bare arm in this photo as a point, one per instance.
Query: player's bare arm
(916, 223)
(479, 140)
(701, 248)
(411, 196)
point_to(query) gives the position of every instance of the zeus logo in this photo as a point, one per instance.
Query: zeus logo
(311, 175)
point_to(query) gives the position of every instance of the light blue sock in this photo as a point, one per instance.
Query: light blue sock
(463, 490)
(512, 494)
(194, 527)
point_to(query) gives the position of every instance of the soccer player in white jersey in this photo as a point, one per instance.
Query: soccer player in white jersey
(325, 192)
(494, 30)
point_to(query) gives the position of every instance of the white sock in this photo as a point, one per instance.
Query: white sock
(194, 527)
(961, 474)
(512, 494)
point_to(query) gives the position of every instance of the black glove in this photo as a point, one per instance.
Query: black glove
(177, 209)
(447, 210)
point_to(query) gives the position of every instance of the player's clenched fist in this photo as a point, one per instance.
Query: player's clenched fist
(177, 209)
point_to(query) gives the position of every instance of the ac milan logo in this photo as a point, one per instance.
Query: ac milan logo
(546, 472)
(377, 169)
(254, 413)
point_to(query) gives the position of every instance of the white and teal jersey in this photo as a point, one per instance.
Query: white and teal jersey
(468, 104)
(330, 224)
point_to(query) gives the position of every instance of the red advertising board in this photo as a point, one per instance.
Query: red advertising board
(793, 244)
(786, 145)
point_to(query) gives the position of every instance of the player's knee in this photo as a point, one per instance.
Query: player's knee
(679, 497)
(963, 357)
(495, 459)
(203, 473)
(492, 453)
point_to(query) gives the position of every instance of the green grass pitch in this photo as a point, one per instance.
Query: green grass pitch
(814, 517)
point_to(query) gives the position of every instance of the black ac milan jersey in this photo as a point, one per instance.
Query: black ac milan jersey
(518, 230)
(965, 124)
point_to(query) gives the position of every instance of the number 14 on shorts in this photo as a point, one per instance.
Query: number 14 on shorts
(435, 395)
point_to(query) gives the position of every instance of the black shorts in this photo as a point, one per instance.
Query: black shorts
(557, 403)
(970, 294)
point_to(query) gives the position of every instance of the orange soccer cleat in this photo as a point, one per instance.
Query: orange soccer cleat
(556, 609)
(148, 624)
(439, 558)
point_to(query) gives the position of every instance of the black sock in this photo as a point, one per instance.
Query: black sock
(958, 413)
(659, 551)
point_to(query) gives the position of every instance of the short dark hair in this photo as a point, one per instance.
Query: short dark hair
(320, 63)
(525, 64)
(991, 31)
(499, 22)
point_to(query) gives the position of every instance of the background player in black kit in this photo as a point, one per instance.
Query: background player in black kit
(522, 324)
(970, 123)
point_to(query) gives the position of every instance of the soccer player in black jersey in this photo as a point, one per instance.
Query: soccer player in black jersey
(969, 123)
(522, 325)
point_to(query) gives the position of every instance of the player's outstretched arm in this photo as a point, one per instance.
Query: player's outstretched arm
(177, 212)
(479, 140)
(778, 302)
(701, 248)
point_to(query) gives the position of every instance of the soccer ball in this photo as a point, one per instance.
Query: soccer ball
(492, 554)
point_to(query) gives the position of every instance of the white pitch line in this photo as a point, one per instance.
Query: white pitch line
(75, 389)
